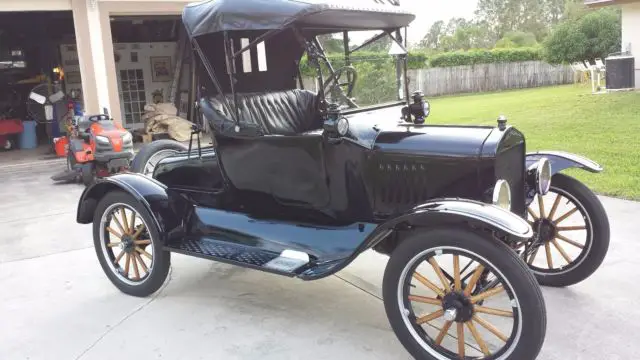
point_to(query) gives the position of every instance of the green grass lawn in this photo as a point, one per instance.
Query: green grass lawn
(604, 128)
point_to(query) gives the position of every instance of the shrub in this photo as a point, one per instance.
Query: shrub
(459, 58)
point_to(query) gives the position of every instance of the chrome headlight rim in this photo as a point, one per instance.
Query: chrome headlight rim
(102, 140)
(502, 194)
(342, 126)
(543, 176)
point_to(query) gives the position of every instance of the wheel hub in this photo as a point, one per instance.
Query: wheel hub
(457, 307)
(127, 244)
(546, 229)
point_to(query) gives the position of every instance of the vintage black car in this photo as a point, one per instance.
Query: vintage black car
(300, 182)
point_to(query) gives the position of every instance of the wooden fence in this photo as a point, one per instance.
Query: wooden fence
(489, 77)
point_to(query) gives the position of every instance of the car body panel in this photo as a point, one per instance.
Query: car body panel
(561, 160)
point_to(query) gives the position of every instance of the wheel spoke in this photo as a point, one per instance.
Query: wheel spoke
(487, 294)
(461, 340)
(125, 223)
(474, 280)
(491, 311)
(115, 219)
(565, 216)
(144, 253)
(428, 284)
(141, 262)
(478, 338)
(547, 249)
(135, 267)
(569, 241)
(114, 233)
(126, 265)
(561, 250)
(114, 244)
(117, 259)
(133, 221)
(432, 316)
(571, 228)
(485, 324)
(423, 299)
(456, 273)
(554, 207)
(541, 206)
(443, 332)
(533, 215)
(438, 271)
(142, 242)
(138, 232)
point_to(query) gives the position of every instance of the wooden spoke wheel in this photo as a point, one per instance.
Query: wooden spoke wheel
(454, 294)
(572, 233)
(126, 243)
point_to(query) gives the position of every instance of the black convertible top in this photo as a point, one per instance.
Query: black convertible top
(211, 16)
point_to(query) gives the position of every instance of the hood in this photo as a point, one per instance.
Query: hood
(383, 131)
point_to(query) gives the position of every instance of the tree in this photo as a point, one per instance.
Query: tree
(593, 35)
(331, 44)
(514, 39)
(432, 39)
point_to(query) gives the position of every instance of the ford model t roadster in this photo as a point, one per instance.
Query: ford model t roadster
(300, 182)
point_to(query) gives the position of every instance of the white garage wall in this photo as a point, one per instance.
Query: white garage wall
(144, 51)
(631, 34)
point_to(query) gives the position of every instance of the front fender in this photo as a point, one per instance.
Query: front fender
(456, 212)
(561, 160)
(152, 194)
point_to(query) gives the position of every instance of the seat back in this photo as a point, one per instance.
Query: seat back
(286, 112)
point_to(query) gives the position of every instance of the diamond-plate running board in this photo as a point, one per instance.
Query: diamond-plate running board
(228, 253)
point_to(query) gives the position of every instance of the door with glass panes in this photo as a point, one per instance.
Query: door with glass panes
(132, 97)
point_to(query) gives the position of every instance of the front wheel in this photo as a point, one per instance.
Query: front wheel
(128, 245)
(455, 294)
(572, 231)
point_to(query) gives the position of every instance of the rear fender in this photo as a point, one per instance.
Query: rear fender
(153, 195)
(561, 160)
(456, 213)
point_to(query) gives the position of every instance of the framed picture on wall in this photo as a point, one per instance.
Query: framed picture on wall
(161, 68)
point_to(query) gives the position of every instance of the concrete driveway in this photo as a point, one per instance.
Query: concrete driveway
(56, 303)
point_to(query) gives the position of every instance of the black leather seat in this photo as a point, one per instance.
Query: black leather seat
(286, 112)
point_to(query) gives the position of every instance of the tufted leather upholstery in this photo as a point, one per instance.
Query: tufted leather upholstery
(286, 112)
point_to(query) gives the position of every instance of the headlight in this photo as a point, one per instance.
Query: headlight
(543, 176)
(127, 138)
(343, 126)
(102, 139)
(426, 108)
(502, 194)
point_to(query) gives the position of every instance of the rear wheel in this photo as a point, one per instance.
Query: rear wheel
(453, 294)
(572, 233)
(150, 154)
(127, 244)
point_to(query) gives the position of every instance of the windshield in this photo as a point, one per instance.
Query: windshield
(370, 76)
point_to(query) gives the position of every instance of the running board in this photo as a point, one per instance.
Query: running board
(288, 263)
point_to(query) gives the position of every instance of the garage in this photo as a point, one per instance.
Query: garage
(30, 61)
(95, 54)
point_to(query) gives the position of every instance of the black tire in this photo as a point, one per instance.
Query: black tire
(88, 174)
(161, 258)
(599, 232)
(526, 290)
(147, 151)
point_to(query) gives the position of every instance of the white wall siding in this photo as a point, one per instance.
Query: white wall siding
(631, 34)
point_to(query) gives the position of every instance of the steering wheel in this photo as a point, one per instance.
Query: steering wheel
(333, 83)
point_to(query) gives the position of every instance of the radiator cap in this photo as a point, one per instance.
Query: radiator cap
(502, 122)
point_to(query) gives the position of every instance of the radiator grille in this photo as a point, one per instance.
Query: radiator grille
(510, 165)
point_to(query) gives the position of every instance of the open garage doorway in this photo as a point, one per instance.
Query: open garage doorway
(29, 58)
